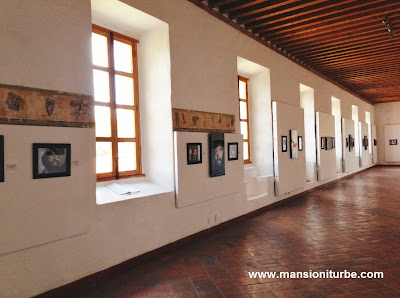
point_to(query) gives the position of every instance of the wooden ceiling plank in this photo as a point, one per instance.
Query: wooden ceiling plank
(238, 5)
(257, 20)
(343, 51)
(318, 11)
(262, 8)
(323, 36)
(339, 42)
(381, 52)
(338, 22)
(218, 3)
(349, 63)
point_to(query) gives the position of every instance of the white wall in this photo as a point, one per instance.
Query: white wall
(290, 173)
(365, 156)
(46, 44)
(307, 103)
(326, 159)
(386, 114)
(350, 160)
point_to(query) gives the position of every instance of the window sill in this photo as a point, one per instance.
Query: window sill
(104, 195)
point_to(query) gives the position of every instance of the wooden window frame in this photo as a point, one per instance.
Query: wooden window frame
(246, 101)
(114, 139)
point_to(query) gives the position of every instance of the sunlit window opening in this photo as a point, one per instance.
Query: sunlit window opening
(244, 117)
(115, 79)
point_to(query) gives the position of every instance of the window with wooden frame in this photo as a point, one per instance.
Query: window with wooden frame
(244, 117)
(116, 98)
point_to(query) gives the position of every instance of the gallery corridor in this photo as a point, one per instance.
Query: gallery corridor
(352, 225)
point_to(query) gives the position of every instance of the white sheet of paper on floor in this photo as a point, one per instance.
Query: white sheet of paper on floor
(121, 190)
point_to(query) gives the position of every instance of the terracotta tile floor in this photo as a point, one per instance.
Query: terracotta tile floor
(353, 224)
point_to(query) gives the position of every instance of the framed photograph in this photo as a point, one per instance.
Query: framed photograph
(217, 154)
(294, 145)
(300, 141)
(51, 160)
(393, 142)
(374, 142)
(351, 143)
(329, 143)
(323, 141)
(284, 143)
(194, 153)
(1, 158)
(365, 142)
(233, 151)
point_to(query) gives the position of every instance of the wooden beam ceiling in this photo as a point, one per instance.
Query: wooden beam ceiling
(345, 42)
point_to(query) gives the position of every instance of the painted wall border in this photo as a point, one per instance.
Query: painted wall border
(20, 105)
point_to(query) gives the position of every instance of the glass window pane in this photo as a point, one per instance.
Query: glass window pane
(99, 50)
(122, 56)
(242, 90)
(124, 90)
(126, 123)
(243, 110)
(245, 150)
(243, 130)
(101, 86)
(103, 121)
(103, 157)
(126, 156)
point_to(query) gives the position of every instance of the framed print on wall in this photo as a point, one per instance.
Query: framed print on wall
(51, 160)
(294, 145)
(1, 158)
(233, 151)
(194, 153)
(393, 142)
(284, 143)
(217, 154)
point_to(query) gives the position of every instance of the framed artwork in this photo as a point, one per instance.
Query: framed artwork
(300, 142)
(294, 145)
(393, 142)
(374, 142)
(329, 143)
(323, 143)
(217, 154)
(351, 143)
(233, 151)
(365, 142)
(284, 143)
(194, 153)
(51, 160)
(1, 158)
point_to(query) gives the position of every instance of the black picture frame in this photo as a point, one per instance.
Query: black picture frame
(374, 142)
(284, 144)
(393, 142)
(54, 160)
(1, 158)
(233, 151)
(300, 141)
(323, 143)
(194, 152)
(217, 154)
(365, 142)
